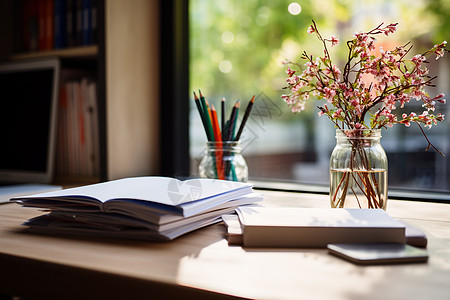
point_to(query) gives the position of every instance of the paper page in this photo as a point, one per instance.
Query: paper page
(164, 190)
(316, 217)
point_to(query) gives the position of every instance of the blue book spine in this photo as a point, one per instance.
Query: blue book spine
(60, 24)
(87, 22)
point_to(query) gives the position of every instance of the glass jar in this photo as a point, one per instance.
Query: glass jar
(358, 170)
(223, 160)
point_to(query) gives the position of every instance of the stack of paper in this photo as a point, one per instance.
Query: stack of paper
(150, 208)
(312, 227)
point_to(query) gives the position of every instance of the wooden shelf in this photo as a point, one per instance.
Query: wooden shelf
(85, 51)
(128, 80)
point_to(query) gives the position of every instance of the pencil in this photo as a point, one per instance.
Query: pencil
(208, 108)
(233, 119)
(244, 119)
(207, 116)
(218, 138)
(202, 117)
(225, 130)
(228, 125)
(223, 112)
(215, 124)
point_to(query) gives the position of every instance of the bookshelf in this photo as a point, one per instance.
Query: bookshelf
(83, 51)
(124, 60)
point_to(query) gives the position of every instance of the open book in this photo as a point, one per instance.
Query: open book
(138, 207)
(140, 195)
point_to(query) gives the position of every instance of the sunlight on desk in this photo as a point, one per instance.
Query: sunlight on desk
(275, 273)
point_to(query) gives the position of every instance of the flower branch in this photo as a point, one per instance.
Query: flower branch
(394, 81)
(361, 98)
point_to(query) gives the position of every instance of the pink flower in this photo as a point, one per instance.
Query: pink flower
(440, 49)
(389, 102)
(292, 80)
(334, 71)
(402, 98)
(359, 110)
(311, 29)
(334, 40)
(391, 28)
(406, 120)
(440, 98)
(290, 72)
(323, 110)
(354, 102)
(329, 94)
(418, 59)
(298, 86)
(337, 113)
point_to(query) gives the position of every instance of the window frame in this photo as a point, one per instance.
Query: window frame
(174, 110)
(174, 84)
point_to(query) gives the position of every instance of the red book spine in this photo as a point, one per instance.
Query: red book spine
(49, 24)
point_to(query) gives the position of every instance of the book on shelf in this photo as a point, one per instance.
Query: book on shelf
(150, 208)
(316, 227)
(55, 24)
(61, 19)
(45, 16)
(78, 149)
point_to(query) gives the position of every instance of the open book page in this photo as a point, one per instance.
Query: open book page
(194, 207)
(162, 190)
(136, 210)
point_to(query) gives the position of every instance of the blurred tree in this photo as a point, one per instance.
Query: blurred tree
(232, 42)
(440, 9)
(236, 47)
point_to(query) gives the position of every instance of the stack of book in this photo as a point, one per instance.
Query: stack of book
(148, 208)
(259, 226)
(54, 24)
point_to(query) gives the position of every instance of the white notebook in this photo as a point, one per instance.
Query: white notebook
(317, 227)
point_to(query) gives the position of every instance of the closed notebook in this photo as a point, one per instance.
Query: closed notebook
(317, 227)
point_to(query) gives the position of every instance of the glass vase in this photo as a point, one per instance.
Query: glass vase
(223, 160)
(358, 170)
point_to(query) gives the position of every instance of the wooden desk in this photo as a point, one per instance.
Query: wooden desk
(202, 265)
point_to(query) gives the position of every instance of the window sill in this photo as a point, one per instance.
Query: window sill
(394, 193)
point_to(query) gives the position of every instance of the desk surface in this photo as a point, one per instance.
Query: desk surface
(202, 265)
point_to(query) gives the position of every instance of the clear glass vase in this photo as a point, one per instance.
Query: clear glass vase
(358, 170)
(223, 160)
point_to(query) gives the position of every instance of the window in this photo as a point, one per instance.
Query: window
(236, 50)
